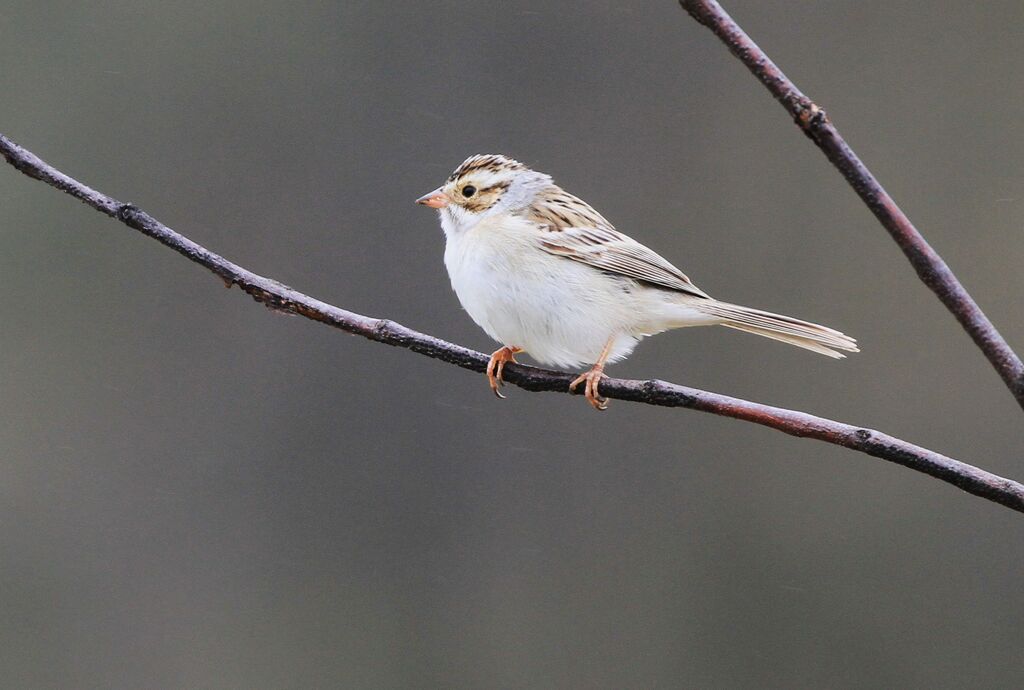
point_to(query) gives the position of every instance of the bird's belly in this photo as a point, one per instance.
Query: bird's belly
(561, 313)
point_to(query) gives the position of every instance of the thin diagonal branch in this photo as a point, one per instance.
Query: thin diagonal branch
(930, 267)
(280, 297)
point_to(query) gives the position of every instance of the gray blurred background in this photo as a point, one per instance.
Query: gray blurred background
(196, 492)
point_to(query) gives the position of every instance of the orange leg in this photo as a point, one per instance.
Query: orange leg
(593, 378)
(496, 366)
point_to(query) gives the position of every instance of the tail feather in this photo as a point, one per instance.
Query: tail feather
(809, 336)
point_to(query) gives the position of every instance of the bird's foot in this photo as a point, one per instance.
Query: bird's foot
(496, 366)
(592, 378)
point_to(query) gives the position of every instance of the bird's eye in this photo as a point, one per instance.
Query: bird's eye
(468, 191)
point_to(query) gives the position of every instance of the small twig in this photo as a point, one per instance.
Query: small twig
(280, 297)
(930, 267)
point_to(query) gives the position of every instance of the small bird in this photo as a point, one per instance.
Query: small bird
(542, 272)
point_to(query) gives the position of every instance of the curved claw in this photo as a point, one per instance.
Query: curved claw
(592, 378)
(496, 367)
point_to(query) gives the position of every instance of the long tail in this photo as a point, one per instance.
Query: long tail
(803, 334)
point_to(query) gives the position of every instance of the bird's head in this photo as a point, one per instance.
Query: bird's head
(482, 186)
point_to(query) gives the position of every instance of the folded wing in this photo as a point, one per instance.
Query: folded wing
(609, 250)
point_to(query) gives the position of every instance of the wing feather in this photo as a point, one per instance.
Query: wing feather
(609, 250)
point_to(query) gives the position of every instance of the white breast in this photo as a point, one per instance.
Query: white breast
(559, 311)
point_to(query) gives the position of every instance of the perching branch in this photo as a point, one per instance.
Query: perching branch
(280, 297)
(930, 267)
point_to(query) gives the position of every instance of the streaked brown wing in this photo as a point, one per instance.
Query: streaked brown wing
(609, 250)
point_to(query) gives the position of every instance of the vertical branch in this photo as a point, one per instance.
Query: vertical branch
(930, 267)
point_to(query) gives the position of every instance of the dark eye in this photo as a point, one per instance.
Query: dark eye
(468, 191)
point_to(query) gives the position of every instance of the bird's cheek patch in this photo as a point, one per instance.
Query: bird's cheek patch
(485, 198)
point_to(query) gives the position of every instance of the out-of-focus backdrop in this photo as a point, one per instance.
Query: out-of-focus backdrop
(196, 492)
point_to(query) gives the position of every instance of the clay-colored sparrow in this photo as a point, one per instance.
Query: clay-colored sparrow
(542, 272)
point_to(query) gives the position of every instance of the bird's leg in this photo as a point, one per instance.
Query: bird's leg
(496, 366)
(593, 378)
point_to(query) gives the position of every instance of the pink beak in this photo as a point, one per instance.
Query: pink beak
(436, 199)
